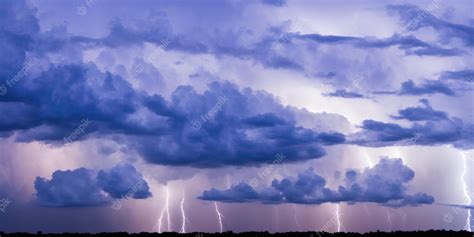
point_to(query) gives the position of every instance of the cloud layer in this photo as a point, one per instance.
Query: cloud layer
(85, 187)
(385, 183)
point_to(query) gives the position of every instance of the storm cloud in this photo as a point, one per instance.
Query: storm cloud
(86, 187)
(385, 184)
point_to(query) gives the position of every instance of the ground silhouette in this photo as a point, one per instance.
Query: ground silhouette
(429, 233)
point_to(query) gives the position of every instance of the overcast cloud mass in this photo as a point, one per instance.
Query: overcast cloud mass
(278, 114)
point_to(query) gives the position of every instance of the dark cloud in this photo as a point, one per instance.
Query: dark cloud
(19, 27)
(344, 94)
(428, 87)
(205, 130)
(423, 113)
(121, 180)
(70, 188)
(63, 96)
(191, 129)
(241, 192)
(409, 44)
(85, 187)
(226, 126)
(385, 183)
(466, 75)
(438, 129)
(435, 51)
(433, 132)
(415, 18)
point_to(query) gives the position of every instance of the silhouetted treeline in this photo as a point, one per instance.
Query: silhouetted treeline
(429, 233)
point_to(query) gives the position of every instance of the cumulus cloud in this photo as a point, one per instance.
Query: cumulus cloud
(463, 75)
(249, 127)
(409, 44)
(221, 126)
(86, 187)
(385, 183)
(428, 87)
(121, 179)
(421, 113)
(189, 129)
(436, 131)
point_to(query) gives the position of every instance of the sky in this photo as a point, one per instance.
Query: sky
(258, 115)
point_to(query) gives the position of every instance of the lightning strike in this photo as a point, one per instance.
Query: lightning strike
(165, 209)
(466, 192)
(389, 217)
(219, 215)
(160, 220)
(168, 209)
(183, 216)
(296, 218)
(338, 218)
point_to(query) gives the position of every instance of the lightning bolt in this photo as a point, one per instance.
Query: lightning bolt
(183, 216)
(389, 217)
(219, 215)
(296, 218)
(160, 220)
(165, 209)
(466, 192)
(338, 218)
(168, 209)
